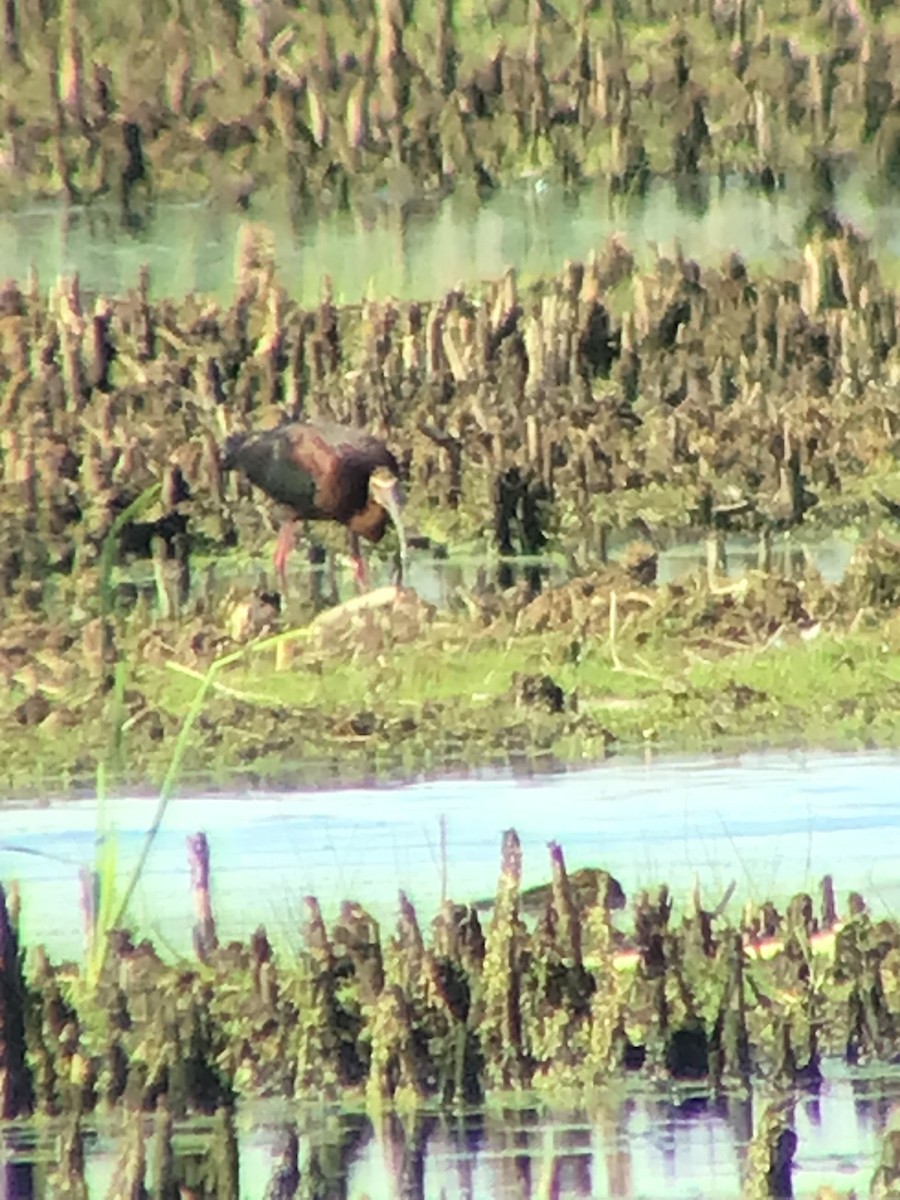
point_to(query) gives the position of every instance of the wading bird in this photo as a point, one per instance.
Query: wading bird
(321, 471)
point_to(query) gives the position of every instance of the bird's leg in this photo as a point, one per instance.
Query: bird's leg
(315, 551)
(283, 547)
(360, 574)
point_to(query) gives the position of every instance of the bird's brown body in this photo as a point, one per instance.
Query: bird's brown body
(321, 471)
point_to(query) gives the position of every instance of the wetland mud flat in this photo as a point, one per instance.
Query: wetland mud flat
(526, 420)
(398, 692)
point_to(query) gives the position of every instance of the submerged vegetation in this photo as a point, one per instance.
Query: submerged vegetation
(544, 1001)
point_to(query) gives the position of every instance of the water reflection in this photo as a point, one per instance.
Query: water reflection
(419, 250)
(443, 581)
(641, 1145)
(439, 581)
(626, 1145)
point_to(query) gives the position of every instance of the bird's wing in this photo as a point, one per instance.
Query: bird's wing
(283, 468)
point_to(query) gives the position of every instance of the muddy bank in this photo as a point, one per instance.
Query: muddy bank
(525, 419)
(337, 101)
(393, 688)
(552, 994)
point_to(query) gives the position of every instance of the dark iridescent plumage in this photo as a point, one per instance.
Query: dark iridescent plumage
(322, 471)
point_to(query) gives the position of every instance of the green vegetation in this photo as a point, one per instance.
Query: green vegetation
(530, 421)
(546, 1002)
(388, 686)
(333, 102)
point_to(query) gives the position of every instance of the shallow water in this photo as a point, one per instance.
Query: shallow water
(635, 1144)
(438, 580)
(775, 824)
(642, 1146)
(421, 250)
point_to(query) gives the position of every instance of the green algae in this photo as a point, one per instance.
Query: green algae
(683, 667)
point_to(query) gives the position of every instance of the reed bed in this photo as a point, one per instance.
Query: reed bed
(334, 101)
(548, 993)
(546, 413)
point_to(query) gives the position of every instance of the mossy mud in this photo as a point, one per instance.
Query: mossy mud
(555, 997)
(335, 101)
(395, 688)
(526, 420)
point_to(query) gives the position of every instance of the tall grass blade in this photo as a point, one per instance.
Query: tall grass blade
(111, 541)
(106, 912)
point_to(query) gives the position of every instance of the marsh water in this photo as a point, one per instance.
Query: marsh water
(773, 823)
(648, 1146)
(439, 581)
(414, 249)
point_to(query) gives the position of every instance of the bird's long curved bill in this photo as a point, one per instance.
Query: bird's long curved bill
(395, 511)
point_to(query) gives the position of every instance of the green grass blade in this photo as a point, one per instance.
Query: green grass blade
(110, 543)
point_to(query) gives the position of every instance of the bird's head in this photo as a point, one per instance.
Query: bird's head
(384, 489)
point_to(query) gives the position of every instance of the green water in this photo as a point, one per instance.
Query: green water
(394, 247)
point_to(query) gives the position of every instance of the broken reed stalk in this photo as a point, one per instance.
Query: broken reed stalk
(205, 939)
(16, 1096)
